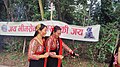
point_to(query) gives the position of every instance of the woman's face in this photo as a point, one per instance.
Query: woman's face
(58, 33)
(44, 31)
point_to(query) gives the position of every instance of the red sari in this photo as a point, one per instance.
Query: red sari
(57, 46)
(35, 48)
(117, 65)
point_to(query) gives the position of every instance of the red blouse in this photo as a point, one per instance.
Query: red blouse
(51, 45)
(35, 49)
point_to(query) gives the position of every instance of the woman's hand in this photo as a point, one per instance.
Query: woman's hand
(74, 54)
(46, 54)
(52, 53)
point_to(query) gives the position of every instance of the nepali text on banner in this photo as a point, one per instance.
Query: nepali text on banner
(88, 33)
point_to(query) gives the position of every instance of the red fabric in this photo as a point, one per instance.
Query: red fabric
(52, 29)
(117, 65)
(47, 50)
(60, 53)
(45, 62)
(51, 46)
(35, 49)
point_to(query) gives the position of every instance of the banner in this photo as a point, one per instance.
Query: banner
(88, 33)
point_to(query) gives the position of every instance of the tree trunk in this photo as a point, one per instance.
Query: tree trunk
(58, 10)
(6, 5)
(9, 10)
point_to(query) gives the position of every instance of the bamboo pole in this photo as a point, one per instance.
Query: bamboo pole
(41, 9)
(116, 43)
(24, 45)
(51, 5)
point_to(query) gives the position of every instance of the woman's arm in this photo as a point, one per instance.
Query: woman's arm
(66, 48)
(71, 52)
(57, 56)
(48, 43)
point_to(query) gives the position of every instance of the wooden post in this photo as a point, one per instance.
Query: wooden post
(117, 39)
(41, 9)
(51, 5)
(24, 45)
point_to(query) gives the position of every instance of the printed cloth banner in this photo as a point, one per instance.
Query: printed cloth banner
(88, 33)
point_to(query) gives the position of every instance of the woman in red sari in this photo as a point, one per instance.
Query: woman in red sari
(54, 45)
(36, 52)
(115, 60)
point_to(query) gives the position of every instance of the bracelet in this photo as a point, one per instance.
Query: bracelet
(73, 54)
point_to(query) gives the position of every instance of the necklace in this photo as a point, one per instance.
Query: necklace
(39, 40)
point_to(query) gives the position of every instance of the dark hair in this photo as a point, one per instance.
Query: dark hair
(116, 51)
(41, 27)
(55, 29)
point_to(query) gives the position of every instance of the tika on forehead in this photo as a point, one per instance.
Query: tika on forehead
(38, 26)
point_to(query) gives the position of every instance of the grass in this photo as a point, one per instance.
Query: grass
(16, 59)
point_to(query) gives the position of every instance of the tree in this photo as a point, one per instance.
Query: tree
(3, 13)
(19, 10)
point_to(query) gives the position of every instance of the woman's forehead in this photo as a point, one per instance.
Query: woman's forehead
(58, 31)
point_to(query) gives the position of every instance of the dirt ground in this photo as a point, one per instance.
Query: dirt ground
(19, 60)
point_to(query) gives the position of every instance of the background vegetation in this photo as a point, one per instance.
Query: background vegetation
(75, 12)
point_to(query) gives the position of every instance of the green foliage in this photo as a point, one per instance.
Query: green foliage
(73, 12)
(13, 44)
(106, 45)
(100, 50)
(3, 13)
(32, 10)
(20, 10)
(13, 57)
(63, 62)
